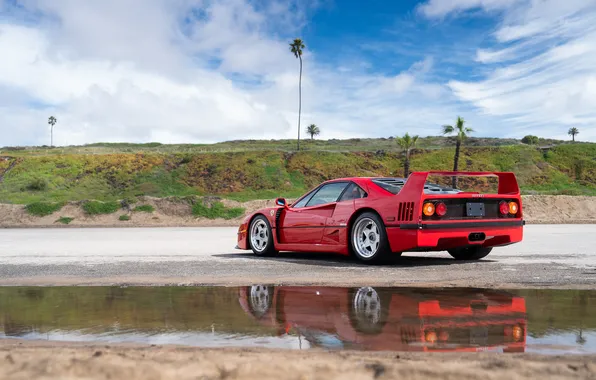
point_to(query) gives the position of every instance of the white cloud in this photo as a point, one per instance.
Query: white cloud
(190, 71)
(441, 8)
(543, 78)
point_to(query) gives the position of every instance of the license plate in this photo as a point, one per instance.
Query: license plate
(479, 336)
(474, 209)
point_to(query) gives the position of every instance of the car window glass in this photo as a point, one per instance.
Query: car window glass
(353, 192)
(303, 201)
(327, 194)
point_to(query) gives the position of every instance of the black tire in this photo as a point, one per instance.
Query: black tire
(470, 253)
(382, 251)
(269, 248)
(368, 320)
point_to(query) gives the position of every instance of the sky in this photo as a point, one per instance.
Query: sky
(202, 71)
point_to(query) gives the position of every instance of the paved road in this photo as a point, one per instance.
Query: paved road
(560, 256)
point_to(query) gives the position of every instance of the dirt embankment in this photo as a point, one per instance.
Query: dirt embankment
(538, 209)
(31, 360)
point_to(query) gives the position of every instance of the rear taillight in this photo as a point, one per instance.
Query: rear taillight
(428, 209)
(513, 208)
(504, 208)
(441, 209)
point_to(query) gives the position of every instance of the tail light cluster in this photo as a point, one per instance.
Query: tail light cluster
(438, 209)
(493, 208)
(506, 208)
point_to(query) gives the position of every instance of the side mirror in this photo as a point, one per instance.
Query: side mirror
(281, 202)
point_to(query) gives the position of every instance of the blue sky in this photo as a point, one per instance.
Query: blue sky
(192, 71)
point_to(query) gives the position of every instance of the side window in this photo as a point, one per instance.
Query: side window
(353, 192)
(301, 203)
(327, 194)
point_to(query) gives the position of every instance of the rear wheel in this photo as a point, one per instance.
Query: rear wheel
(261, 237)
(470, 253)
(368, 238)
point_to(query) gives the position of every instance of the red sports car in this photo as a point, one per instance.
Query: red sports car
(372, 218)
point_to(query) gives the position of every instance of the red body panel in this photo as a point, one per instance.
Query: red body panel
(326, 227)
(407, 315)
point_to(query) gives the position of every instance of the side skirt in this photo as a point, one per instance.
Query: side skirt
(315, 248)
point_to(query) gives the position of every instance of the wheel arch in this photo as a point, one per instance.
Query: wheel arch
(353, 218)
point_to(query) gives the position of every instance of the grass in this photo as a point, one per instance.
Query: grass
(124, 218)
(268, 169)
(144, 208)
(65, 220)
(100, 208)
(43, 208)
(216, 210)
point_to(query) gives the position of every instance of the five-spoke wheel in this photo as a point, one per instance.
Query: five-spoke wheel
(369, 238)
(261, 239)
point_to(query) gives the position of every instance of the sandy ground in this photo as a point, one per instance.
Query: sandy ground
(44, 360)
(538, 209)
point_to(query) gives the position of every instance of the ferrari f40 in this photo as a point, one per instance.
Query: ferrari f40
(373, 218)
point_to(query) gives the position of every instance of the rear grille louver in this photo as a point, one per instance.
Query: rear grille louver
(405, 212)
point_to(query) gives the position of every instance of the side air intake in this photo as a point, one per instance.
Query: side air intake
(405, 212)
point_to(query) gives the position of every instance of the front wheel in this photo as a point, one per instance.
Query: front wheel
(261, 237)
(368, 239)
(470, 253)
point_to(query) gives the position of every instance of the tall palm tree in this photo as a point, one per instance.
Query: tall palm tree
(313, 131)
(461, 134)
(407, 142)
(296, 47)
(52, 121)
(572, 132)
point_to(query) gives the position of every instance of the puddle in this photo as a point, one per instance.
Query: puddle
(293, 317)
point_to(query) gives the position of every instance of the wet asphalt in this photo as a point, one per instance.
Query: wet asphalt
(560, 256)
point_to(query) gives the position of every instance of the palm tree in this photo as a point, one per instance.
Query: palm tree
(572, 132)
(461, 134)
(296, 47)
(52, 121)
(313, 131)
(407, 142)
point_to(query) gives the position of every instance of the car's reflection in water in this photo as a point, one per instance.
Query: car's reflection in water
(397, 319)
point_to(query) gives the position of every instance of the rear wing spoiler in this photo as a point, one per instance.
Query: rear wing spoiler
(507, 180)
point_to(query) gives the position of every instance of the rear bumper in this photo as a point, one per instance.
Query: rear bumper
(460, 225)
(448, 235)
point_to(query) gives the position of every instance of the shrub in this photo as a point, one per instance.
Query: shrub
(144, 208)
(124, 218)
(65, 220)
(43, 208)
(530, 140)
(97, 208)
(217, 210)
(578, 167)
(38, 184)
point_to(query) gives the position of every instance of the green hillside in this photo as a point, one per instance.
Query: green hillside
(264, 169)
